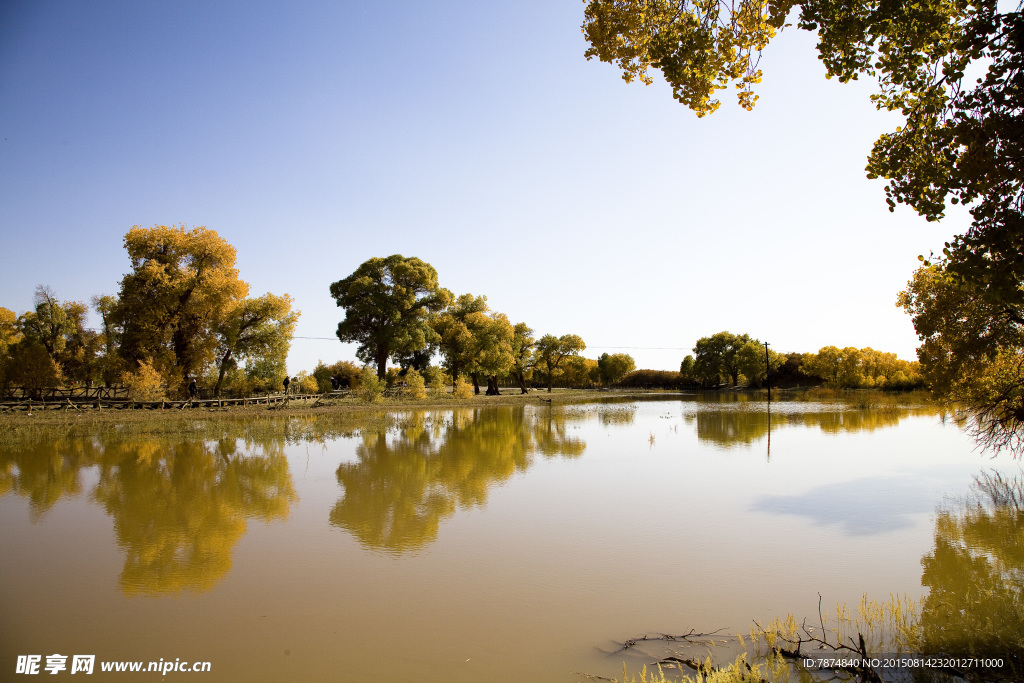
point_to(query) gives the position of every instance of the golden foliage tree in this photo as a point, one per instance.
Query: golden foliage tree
(182, 287)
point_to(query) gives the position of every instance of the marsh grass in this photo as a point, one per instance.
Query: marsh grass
(778, 651)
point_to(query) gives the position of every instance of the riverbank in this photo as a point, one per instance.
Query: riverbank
(350, 414)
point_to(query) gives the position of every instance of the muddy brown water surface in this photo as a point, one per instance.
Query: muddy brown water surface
(508, 543)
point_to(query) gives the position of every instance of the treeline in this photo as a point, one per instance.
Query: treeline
(182, 312)
(396, 310)
(182, 315)
(738, 359)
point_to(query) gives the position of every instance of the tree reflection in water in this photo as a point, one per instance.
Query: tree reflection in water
(410, 478)
(179, 506)
(743, 423)
(975, 575)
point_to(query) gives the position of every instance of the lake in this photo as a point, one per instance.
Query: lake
(505, 543)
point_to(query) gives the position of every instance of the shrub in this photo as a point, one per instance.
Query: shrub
(437, 380)
(416, 386)
(653, 379)
(463, 390)
(145, 384)
(370, 388)
(346, 372)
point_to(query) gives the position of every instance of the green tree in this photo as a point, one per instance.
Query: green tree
(522, 355)
(716, 357)
(182, 285)
(253, 329)
(750, 359)
(613, 367)
(552, 350)
(388, 302)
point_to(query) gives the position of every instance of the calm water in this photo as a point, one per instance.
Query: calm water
(499, 544)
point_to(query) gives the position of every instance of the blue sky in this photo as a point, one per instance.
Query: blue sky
(474, 135)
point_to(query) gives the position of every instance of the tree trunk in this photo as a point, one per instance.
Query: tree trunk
(520, 378)
(476, 383)
(492, 386)
(223, 371)
(382, 366)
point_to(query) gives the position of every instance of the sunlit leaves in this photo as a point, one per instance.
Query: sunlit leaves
(700, 47)
(182, 285)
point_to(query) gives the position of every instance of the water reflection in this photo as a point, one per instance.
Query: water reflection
(46, 472)
(746, 422)
(975, 575)
(179, 509)
(179, 506)
(410, 478)
(872, 505)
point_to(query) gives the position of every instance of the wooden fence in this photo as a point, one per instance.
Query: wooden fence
(58, 401)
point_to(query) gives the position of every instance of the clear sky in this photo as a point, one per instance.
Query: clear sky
(471, 134)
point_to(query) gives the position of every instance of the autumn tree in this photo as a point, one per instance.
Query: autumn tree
(9, 337)
(552, 350)
(388, 302)
(836, 367)
(456, 329)
(615, 366)
(182, 286)
(475, 341)
(52, 345)
(253, 329)
(580, 372)
(494, 352)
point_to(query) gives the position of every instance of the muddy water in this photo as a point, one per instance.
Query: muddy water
(500, 544)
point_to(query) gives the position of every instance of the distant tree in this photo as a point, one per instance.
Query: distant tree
(614, 367)
(265, 374)
(716, 357)
(254, 328)
(522, 355)
(580, 372)
(688, 369)
(750, 359)
(836, 367)
(552, 350)
(112, 366)
(58, 329)
(388, 302)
